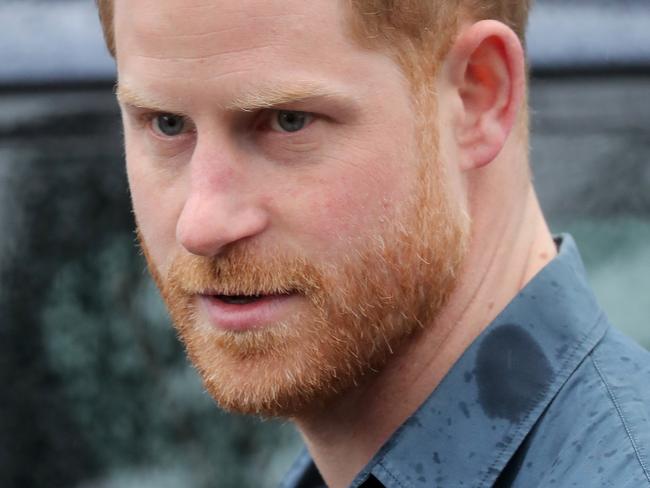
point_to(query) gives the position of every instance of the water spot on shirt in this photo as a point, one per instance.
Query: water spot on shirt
(449, 421)
(625, 359)
(561, 351)
(468, 376)
(577, 446)
(436, 458)
(422, 479)
(512, 373)
(554, 284)
(464, 409)
(419, 469)
(610, 453)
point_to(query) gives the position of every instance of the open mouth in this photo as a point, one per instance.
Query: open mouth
(248, 299)
(238, 312)
(240, 299)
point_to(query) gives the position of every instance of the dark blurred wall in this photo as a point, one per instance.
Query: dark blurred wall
(67, 199)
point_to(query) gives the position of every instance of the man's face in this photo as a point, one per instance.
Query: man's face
(296, 217)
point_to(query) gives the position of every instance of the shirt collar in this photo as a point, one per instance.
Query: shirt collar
(474, 421)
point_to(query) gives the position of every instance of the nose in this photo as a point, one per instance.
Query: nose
(218, 210)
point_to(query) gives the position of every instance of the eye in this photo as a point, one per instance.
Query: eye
(169, 125)
(290, 120)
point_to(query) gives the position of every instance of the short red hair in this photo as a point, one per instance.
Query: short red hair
(401, 26)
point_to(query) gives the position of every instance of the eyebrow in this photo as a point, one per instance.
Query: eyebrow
(256, 98)
(281, 94)
(127, 96)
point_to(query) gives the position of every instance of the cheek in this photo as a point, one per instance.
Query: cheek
(156, 206)
(353, 204)
(335, 209)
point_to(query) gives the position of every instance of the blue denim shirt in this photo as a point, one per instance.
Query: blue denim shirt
(549, 395)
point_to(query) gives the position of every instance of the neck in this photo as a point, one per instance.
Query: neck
(504, 255)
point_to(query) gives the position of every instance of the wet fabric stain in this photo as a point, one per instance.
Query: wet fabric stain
(464, 409)
(512, 373)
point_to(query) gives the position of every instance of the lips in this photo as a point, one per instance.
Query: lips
(244, 312)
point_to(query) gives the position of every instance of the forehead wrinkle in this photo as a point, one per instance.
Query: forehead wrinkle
(203, 56)
(210, 31)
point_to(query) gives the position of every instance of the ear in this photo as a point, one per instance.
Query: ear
(485, 69)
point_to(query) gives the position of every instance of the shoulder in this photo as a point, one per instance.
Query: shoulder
(596, 431)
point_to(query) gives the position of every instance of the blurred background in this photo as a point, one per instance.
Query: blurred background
(96, 390)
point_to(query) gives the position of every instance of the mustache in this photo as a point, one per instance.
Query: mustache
(244, 271)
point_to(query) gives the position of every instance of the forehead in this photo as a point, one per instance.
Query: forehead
(219, 25)
(234, 42)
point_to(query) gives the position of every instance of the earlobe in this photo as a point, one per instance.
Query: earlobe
(486, 69)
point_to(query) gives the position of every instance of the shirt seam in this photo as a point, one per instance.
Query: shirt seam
(621, 416)
(394, 478)
(492, 468)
